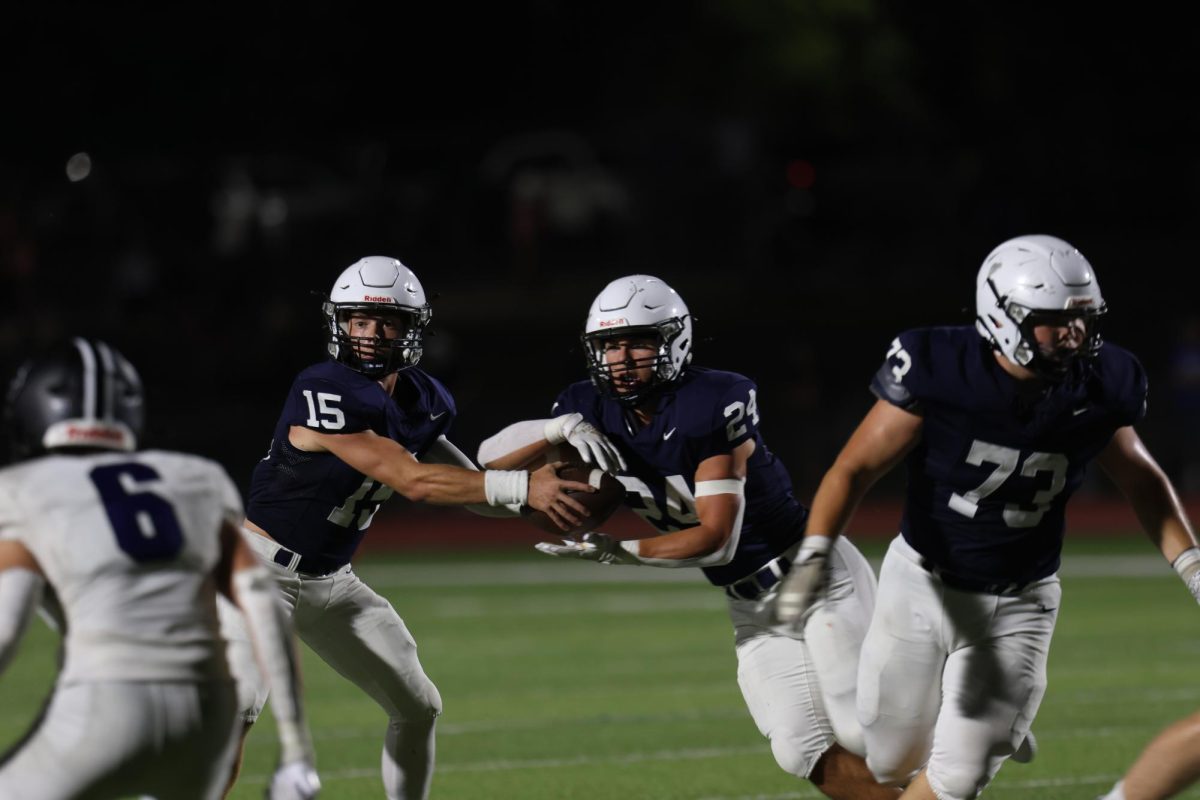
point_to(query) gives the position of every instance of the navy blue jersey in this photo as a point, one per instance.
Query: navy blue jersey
(314, 503)
(989, 481)
(709, 413)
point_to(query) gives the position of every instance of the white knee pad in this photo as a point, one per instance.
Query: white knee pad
(961, 783)
(797, 753)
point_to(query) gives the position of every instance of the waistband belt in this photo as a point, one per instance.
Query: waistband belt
(970, 585)
(760, 582)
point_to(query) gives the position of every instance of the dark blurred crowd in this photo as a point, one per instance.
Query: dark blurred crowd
(812, 179)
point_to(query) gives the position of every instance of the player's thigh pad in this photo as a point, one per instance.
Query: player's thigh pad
(993, 684)
(781, 689)
(113, 739)
(359, 634)
(900, 668)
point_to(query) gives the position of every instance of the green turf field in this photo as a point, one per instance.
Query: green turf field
(574, 680)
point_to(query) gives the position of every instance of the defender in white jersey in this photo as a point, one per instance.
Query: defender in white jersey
(135, 546)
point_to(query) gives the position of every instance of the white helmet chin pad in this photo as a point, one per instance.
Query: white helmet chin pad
(1032, 274)
(377, 285)
(639, 304)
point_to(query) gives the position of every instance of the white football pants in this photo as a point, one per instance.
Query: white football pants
(114, 739)
(358, 633)
(950, 680)
(800, 686)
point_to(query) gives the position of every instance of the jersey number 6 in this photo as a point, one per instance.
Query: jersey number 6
(146, 526)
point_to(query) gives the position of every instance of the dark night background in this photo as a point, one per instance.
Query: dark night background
(812, 178)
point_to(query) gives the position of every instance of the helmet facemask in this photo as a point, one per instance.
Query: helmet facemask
(615, 379)
(376, 356)
(1047, 361)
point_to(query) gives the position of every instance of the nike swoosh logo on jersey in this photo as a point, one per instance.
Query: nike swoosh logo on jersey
(436, 417)
(669, 434)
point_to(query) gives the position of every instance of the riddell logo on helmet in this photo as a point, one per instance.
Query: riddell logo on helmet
(80, 434)
(609, 323)
(370, 298)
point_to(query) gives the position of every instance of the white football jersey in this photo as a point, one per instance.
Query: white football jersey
(129, 542)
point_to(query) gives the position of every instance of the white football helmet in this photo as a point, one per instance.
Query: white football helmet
(638, 304)
(381, 286)
(1032, 280)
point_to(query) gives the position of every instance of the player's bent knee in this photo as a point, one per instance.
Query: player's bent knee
(892, 768)
(961, 783)
(796, 753)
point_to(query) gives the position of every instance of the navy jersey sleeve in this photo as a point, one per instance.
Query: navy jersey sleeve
(442, 408)
(328, 407)
(732, 420)
(578, 398)
(1128, 385)
(905, 375)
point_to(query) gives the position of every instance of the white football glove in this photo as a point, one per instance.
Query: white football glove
(807, 581)
(1187, 564)
(595, 546)
(593, 446)
(295, 780)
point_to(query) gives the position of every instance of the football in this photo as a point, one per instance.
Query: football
(608, 497)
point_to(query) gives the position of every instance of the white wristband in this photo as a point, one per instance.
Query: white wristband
(814, 543)
(504, 487)
(1187, 564)
(554, 432)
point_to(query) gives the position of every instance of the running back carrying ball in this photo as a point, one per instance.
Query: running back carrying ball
(607, 498)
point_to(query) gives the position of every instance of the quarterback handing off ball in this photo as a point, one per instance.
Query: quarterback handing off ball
(608, 497)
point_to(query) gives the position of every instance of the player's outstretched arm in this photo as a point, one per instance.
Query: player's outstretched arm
(247, 582)
(535, 441)
(444, 451)
(21, 585)
(1139, 477)
(886, 434)
(387, 461)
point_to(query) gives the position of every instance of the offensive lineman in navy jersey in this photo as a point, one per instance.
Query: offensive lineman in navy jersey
(354, 430)
(694, 465)
(996, 425)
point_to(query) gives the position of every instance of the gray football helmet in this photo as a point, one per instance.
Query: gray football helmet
(81, 394)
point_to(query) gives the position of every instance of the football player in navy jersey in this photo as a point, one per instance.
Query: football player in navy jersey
(355, 429)
(997, 424)
(696, 468)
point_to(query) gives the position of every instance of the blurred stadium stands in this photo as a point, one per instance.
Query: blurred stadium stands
(813, 178)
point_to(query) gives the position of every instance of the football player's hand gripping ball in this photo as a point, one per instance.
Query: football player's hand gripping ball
(596, 546)
(593, 446)
(807, 581)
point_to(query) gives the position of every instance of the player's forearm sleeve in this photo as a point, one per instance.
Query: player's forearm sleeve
(20, 590)
(271, 634)
(512, 438)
